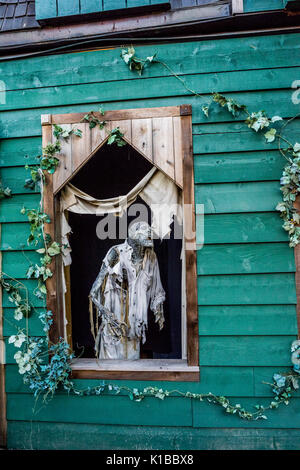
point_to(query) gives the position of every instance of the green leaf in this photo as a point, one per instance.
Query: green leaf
(111, 139)
(205, 109)
(270, 135)
(77, 132)
(54, 249)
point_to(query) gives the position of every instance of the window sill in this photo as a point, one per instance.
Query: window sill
(143, 369)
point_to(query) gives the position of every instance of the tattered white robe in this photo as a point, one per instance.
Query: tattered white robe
(128, 303)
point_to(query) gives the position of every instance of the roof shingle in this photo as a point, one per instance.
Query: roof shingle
(17, 14)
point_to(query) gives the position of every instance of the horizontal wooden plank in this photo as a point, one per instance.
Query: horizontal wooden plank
(263, 376)
(113, 4)
(245, 350)
(16, 264)
(245, 258)
(66, 8)
(10, 350)
(287, 417)
(263, 5)
(248, 53)
(236, 137)
(30, 285)
(23, 151)
(45, 9)
(14, 237)
(227, 82)
(72, 118)
(68, 436)
(247, 320)
(10, 325)
(242, 228)
(240, 166)
(10, 208)
(15, 177)
(90, 6)
(247, 289)
(102, 410)
(152, 412)
(21, 123)
(230, 380)
(238, 197)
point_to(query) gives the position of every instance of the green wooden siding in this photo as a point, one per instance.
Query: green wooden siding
(32, 436)
(263, 5)
(246, 281)
(54, 8)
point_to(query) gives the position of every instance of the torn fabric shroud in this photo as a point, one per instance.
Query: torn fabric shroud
(160, 193)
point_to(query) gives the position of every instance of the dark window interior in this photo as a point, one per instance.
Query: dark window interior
(114, 171)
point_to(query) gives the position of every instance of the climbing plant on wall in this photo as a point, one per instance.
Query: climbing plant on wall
(46, 367)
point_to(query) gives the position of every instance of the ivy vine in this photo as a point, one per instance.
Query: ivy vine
(93, 120)
(272, 129)
(46, 367)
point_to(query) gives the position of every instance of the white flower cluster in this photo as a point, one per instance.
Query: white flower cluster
(22, 358)
(17, 340)
(23, 361)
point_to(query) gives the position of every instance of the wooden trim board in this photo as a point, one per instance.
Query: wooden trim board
(297, 281)
(119, 115)
(3, 420)
(142, 369)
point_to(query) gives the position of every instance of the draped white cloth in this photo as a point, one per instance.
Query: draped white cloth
(158, 191)
(126, 305)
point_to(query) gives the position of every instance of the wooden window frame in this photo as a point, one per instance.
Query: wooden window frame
(154, 369)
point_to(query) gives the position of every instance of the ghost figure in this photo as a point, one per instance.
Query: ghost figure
(128, 282)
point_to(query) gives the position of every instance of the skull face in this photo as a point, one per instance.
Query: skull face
(141, 233)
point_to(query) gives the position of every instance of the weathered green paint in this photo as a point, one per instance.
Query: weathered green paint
(229, 379)
(67, 7)
(246, 282)
(230, 82)
(243, 228)
(30, 285)
(245, 350)
(238, 197)
(203, 416)
(238, 166)
(263, 5)
(233, 54)
(10, 208)
(255, 289)
(45, 9)
(90, 6)
(137, 3)
(34, 323)
(14, 236)
(61, 436)
(153, 412)
(57, 8)
(14, 152)
(247, 320)
(113, 4)
(245, 259)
